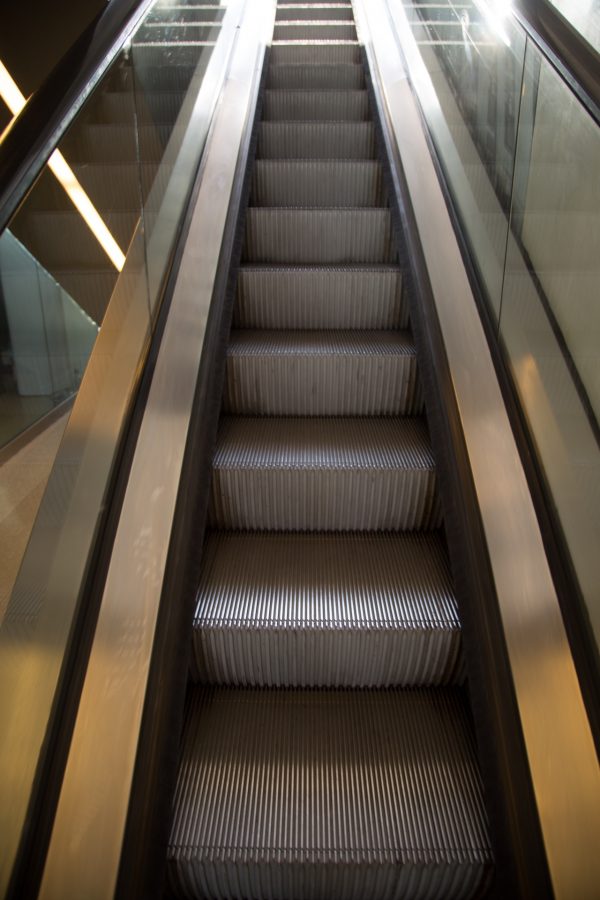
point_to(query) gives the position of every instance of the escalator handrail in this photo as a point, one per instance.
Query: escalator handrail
(573, 57)
(35, 133)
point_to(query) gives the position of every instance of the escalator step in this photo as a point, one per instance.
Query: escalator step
(317, 297)
(341, 795)
(283, 610)
(316, 140)
(319, 77)
(312, 11)
(321, 373)
(325, 106)
(312, 183)
(320, 51)
(314, 31)
(318, 236)
(323, 474)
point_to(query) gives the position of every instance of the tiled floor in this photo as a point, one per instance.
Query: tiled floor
(22, 482)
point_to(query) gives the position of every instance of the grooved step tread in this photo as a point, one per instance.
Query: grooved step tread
(364, 297)
(313, 183)
(327, 474)
(293, 52)
(321, 373)
(326, 76)
(320, 105)
(337, 794)
(316, 140)
(314, 11)
(315, 30)
(325, 610)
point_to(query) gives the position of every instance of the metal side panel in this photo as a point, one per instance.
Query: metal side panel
(321, 373)
(318, 51)
(316, 140)
(326, 76)
(314, 31)
(317, 297)
(296, 12)
(326, 610)
(325, 106)
(318, 236)
(341, 795)
(329, 183)
(323, 474)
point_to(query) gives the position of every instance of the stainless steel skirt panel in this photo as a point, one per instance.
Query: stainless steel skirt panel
(329, 794)
(321, 373)
(320, 51)
(325, 610)
(316, 140)
(316, 297)
(328, 76)
(318, 236)
(314, 31)
(314, 183)
(323, 475)
(324, 106)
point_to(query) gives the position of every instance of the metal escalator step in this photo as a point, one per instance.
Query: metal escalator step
(329, 183)
(323, 474)
(341, 795)
(321, 373)
(316, 140)
(324, 106)
(318, 236)
(289, 610)
(313, 11)
(314, 31)
(317, 297)
(316, 77)
(316, 52)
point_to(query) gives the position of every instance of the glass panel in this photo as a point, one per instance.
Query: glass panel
(474, 55)
(584, 16)
(550, 318)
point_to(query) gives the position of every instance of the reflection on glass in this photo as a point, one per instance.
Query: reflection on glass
(584, 16)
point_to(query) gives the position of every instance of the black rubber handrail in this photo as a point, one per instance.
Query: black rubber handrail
(576, 61)
(36, 131)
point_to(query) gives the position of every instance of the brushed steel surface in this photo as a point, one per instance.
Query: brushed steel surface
(313, 183)
(321, 373)
(322, 105)
(558, 740)
(318, 140)
(318, 297)
(316, 77)
(86, 839)
(321, 236)
(336, 794)
(323, 474)
(320, 51)
(326, 610)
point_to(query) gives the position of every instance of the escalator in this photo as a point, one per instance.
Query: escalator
(286, 625)
(327, 747)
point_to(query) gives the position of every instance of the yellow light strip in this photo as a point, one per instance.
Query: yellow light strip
(15, 101)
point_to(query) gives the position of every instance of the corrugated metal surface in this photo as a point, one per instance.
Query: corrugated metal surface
(321, 51)
(326, 76)
(321, 236)
(317, 297)
(316, 140)
(314, 11)
(312, 182)
(327, 106)
(329, 794)
(320, 373)
(315, 30)
(326, 610)
(323, 474)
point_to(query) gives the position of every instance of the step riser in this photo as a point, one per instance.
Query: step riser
(305, 386)
(337, 12)
(320, 298)
(310, 78)
(310, 54)
(300, 183)
(315, 140)
(290, 31)
(321, 237)
(322, 106)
